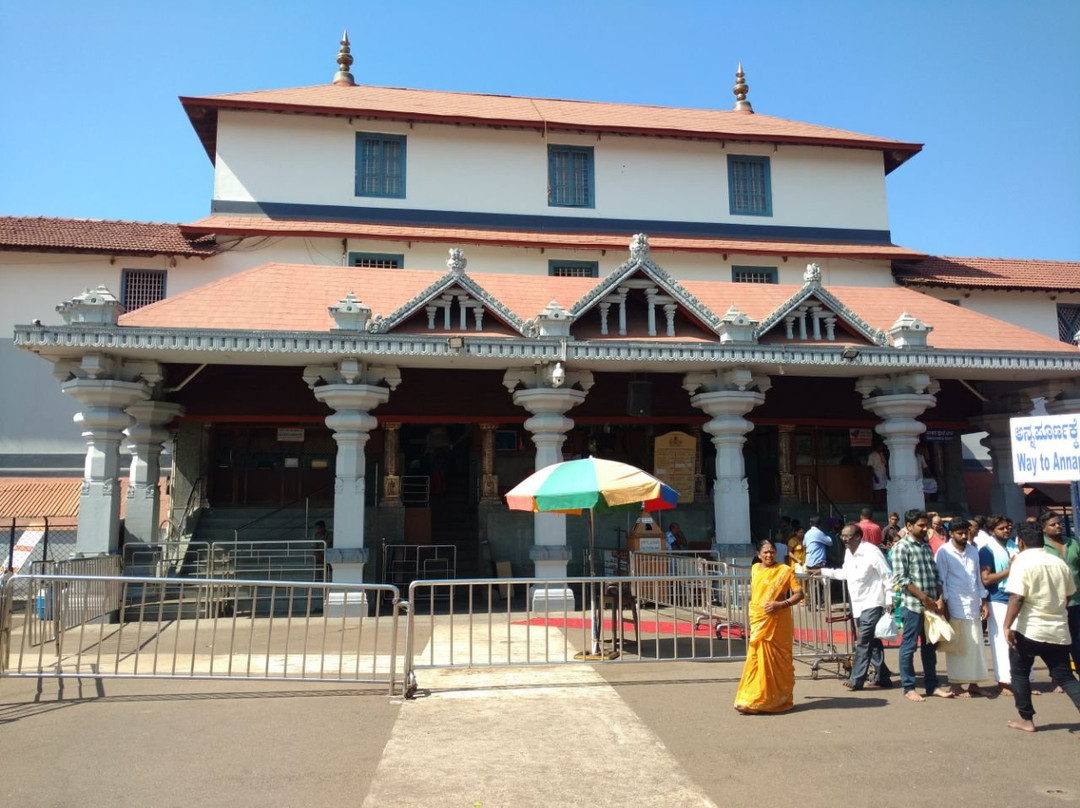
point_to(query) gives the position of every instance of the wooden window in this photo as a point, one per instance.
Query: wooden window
(376, 260)
(753, 274)
(380, 165)
(749, 185)
(573, 269)
(570, 176)
(1068, 322)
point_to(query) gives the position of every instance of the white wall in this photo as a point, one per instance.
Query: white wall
(1035, 311)
(305, 160)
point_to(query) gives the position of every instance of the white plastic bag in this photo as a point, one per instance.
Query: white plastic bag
(886, 627)
(938, 630)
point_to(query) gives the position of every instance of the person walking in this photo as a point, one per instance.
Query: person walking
(871, 532)
(916, 576)
(816, 542)
(1036, 623)
(768, 678)
(869, 581)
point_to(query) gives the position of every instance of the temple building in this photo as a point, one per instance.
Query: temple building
(404, 301)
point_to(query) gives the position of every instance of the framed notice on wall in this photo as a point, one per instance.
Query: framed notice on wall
(674, 461)
(288, 434)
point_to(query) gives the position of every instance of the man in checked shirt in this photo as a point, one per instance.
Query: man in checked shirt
(916, 576)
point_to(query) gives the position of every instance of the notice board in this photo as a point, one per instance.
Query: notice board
(674, 461)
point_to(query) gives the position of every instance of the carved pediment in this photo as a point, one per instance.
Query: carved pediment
(812, 313)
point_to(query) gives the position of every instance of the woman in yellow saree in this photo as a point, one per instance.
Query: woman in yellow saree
(768, 679)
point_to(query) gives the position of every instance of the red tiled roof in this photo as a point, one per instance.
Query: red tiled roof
(990, 273)
(222, 224)
(292, 297)
(398, 103)
(45, 234)
(28, 499)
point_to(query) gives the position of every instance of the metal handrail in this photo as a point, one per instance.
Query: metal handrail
(305, 499)
(819, 494)
(177, 531)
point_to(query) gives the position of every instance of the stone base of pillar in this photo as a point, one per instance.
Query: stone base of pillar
(351, 603)
(554, 599)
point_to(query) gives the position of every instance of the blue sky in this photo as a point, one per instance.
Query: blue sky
(91, 127)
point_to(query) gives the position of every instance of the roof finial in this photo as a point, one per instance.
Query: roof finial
(740, 90)
(343, 77)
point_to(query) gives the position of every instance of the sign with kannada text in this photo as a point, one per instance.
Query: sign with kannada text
(1045, 448)
(674, 455)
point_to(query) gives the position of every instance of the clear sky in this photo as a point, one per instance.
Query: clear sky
(90, 125)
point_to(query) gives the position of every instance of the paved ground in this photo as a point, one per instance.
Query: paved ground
(610, 735)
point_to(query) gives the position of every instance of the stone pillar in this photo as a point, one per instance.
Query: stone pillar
(352, 391)
(145, 440)
(489, 481)
(727, 396)
(103, 422)
(548, 393)
(1064, 399)
(392, 477)
(898, 400)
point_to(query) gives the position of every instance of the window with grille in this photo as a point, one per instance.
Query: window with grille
(753, 274)
(141, 287)
(570, 176)
(1068, 322)
(380, 165)
(573, 269)
(749, 185)
(376, 260)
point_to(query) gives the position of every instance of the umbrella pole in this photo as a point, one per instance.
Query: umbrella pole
(596, 625)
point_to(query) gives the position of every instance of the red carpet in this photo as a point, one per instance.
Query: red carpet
(682, 628)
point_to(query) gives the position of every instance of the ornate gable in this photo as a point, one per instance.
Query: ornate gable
(661, 295)
(455, 302)
(812, 314)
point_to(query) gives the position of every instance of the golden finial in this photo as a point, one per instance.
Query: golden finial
(741, 88)
(344, 59)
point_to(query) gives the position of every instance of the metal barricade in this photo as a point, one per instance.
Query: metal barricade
(708, 620)
(286, 560)
(162, 632)
(168, 559)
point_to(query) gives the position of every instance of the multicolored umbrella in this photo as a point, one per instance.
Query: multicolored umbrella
(590, 484)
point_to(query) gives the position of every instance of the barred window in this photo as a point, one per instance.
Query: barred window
(573, 269)
(376, 260)
(1068, 322)
(141, 287)
(570, 176)
(380, 165)
(753, 274)
(749, 185)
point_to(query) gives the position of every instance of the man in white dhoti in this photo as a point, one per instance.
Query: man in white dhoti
(966, 607)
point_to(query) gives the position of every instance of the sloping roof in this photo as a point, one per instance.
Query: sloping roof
(289, 297)
(225, 224)
(47, 234)
(28, 499)
(990, 273)
(544, 114)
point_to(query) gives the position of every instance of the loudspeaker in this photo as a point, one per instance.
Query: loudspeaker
(639, 398)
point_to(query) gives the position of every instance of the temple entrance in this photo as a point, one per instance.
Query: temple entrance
(271, 466)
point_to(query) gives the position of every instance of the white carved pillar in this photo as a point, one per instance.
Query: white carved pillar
(353, 390)
(103, 422)
(1064, 399)
(727, 396)
(548, 393)
(145, 441)
(898, 400)
(1004, 402)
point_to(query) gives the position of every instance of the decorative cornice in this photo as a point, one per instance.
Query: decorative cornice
(75, 341)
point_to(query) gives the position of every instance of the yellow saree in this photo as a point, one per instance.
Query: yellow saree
(768, 679)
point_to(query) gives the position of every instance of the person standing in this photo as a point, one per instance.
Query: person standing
(1036, 623)
(938, 536)
(796, 548)
(1068, 550)
(916, 576)
(966, 607)
(816, 541)
(890, 535)
(869, 581)
(995, 561)
(871, 533)
(768, 678)
(980, 533)
(675, 538)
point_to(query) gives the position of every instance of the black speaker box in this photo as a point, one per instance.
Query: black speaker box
(639, 398)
